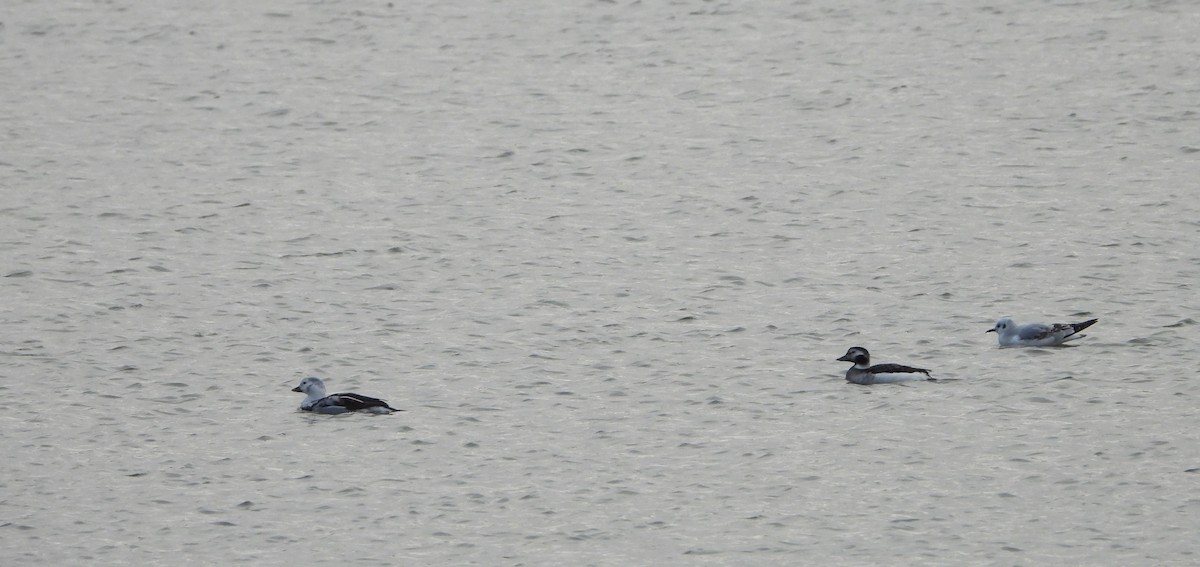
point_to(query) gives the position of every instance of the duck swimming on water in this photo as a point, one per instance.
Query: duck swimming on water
(863, 373)
(319, 402)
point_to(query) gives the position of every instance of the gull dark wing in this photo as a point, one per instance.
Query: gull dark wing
(1081, 326)
(1038, 331)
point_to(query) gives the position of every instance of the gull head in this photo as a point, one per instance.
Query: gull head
(858, 355)
(1002, 327)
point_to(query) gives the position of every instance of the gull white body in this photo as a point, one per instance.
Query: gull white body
(316, 400)
(1011, 334)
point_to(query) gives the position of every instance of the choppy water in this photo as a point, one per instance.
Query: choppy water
(605, 254)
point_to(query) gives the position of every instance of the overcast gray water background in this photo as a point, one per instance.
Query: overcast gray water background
(604, 253)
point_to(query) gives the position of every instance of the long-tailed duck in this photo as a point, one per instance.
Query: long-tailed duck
(863, 373)
(317, 401)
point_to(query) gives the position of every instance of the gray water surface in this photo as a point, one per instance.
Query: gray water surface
(605, 254)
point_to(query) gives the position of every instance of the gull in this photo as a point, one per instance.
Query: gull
(1038, 334)
(318, 402)
(863, 373)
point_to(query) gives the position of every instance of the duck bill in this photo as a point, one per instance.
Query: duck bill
(845, 357)
(297, 389)
(990, 331)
